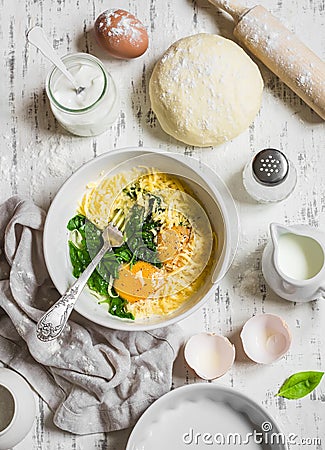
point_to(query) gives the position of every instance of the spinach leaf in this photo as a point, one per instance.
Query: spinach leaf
(154, 204)
(139, 245)
(92, 242)
(75, 257)
(117, 307)
(76, 222)
(97, 283)
(93, 236)
(139, 238)
(300, 384)
(132, 191)
(80, 258)
(109, 265)
(123, 253)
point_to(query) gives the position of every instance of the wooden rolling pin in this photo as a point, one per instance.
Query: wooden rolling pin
(280, 50)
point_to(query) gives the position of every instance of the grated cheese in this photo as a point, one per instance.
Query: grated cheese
(106, 201)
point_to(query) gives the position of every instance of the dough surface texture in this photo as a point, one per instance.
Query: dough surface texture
(205, 90)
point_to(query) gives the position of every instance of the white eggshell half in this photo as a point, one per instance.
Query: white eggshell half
(265, 338)
(209, 355)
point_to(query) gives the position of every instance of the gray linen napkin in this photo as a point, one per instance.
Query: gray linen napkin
(94, 379)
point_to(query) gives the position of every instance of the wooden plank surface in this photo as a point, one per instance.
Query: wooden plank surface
(37, 156)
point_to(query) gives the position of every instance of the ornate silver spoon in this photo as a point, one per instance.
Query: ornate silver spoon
(52, 323)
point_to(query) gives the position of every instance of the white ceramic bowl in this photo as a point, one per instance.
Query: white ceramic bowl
(208, 187)
(204, 416)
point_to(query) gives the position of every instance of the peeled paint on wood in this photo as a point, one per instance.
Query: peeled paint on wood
(37, 156)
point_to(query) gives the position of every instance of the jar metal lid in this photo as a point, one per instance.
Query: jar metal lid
(270, 167)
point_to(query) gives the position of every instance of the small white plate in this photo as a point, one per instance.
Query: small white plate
(202, 416)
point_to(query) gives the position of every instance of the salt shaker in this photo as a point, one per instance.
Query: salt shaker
(269, 176)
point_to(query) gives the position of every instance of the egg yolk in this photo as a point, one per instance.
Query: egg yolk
(171, 241)
(137, 283)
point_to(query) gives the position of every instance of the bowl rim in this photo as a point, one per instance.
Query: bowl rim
(230, 250)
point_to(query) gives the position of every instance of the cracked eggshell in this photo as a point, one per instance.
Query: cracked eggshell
(265, 338)
(209, 355)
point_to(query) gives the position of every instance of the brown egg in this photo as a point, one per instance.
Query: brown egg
(121, 34)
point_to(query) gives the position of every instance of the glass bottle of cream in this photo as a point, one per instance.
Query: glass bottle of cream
(92, 111)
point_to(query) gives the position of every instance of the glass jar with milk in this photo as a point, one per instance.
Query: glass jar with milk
(90, 112)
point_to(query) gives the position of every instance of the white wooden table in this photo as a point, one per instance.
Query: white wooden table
(30, 138)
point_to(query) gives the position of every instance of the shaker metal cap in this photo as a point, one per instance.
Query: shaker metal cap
(270, 167)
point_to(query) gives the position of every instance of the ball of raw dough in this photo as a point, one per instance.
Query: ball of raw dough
(205, 90)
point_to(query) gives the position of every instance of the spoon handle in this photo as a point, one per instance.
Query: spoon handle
(37, 37)
(51, 324)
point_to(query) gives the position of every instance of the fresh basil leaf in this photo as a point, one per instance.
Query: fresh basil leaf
(300, 384)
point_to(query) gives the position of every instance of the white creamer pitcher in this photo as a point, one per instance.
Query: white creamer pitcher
(293, 262)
